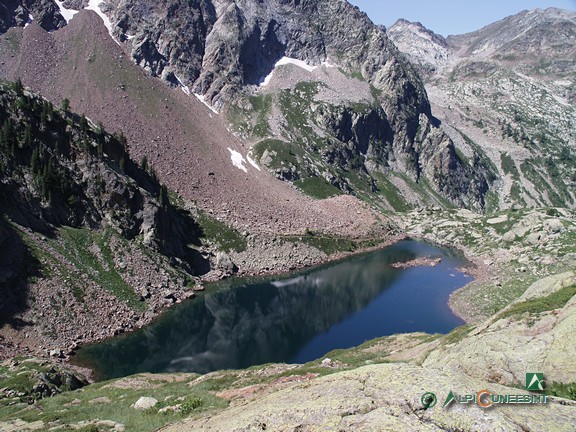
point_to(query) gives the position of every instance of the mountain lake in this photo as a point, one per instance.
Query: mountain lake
(296, 318)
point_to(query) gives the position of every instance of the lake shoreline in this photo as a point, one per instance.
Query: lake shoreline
(476, 269)
(339, 295)
(327, 259)
(68, 357)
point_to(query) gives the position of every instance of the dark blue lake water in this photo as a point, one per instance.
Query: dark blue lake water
(295, 319)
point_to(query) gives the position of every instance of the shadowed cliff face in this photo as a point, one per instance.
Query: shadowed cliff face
(22, 12)
(16, 265)
(57, 169)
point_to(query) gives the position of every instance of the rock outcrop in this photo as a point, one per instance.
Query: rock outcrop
(223, 50)
(37, 380)
(380, 397)
(22, 12)
(424, 48)
(59, 169)
(506, 90)
(533, 342)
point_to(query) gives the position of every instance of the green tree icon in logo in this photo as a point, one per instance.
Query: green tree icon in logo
(535, 381)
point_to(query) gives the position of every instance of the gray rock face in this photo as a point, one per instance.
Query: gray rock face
(383, 397)
(222, 49)
(12, 14)
(425, 49)
(531, 342)
(225, 263)
(219, 46)
(20, 12)
(509, 90)
(529, 34)
(144, 403)
(167, 40)
(525, 38)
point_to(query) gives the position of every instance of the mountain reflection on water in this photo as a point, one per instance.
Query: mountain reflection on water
(248, 322)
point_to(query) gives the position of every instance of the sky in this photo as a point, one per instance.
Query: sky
(447, 17)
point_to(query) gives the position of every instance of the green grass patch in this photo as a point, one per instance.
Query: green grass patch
(566, 391)
(22, 377)
(508, 165)
(359, 356)
(516, 194)
(491, 201)
(457, 334)
(296, 108)
(461, 156)
(77, 245)
(261, 106)
(555, 300)
(477, 149)
(282, 153)
(488, 298)
(58, 410)
(425, 190)
(357, 75)
(13, 41)
(317, 187)
(221, 382)
(20, 382)
(226, 237)
(308, 88)
(376, 92)
(542, 185)
(391, 193)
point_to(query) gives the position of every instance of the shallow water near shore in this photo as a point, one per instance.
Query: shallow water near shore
(293, 319)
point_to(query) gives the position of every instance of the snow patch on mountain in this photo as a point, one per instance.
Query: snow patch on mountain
(67, 14)
(238, 160)
(288, 60)
(30, 19)
(94, 5)
(252, 161)
(184, 87)
(202, 99)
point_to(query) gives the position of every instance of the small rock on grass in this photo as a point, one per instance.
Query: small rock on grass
(144, 403)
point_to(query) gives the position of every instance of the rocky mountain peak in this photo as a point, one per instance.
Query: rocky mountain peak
(528, 37)
(426, 49)
(548, 33)
(418, 29)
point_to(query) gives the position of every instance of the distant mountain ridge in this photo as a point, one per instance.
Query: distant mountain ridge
(508, 89)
